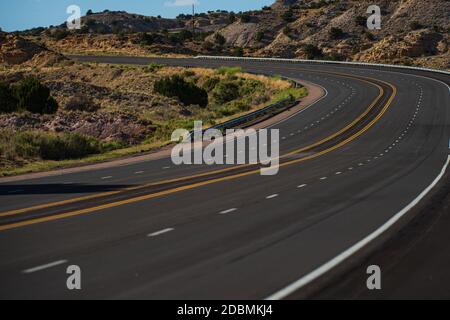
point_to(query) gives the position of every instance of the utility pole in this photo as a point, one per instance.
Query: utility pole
(193, 19)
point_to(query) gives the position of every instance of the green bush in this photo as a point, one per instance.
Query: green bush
(245, 18)
(229, 71)
(8, 102)
(154, 67)
(361, 21)
(259, 36)
(146, 39)
(232, 108)
(226, 91)
(336, 33)
(370, 36)
(238, 52)
(219, 39)
(313, 52)
(35, 97)
(187, 92)
(81, 103)
(415, 25)
(250, 86)
(232, 17)
(46, 146)
(288, 16)
(60, 34)
(210, 83)
(287, 31)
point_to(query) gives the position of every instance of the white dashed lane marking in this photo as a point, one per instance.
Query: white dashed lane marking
(45, 266)
(158, 233)
(228, 211)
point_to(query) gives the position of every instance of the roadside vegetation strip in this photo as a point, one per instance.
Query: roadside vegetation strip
(98, 151)
(196, 184)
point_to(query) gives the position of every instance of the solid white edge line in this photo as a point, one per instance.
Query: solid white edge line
(358, 246)
(45, 266)
(304, 109)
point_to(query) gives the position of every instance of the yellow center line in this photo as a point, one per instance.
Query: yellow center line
(195, 185)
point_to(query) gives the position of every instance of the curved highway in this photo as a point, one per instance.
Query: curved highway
(352, 164)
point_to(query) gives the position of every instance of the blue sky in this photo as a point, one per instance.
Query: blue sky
(26, 14)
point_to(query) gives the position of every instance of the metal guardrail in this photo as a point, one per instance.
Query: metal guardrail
(320, 62)
(271, 110)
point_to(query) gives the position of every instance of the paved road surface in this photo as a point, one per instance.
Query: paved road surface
(356, 158)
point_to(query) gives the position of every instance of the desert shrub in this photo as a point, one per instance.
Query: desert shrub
(46, 146)
(208, 46)
(361, 21)
(232, 17)
(415, 25)
(146, 39)
(219, 39)
(313, 52)
(229, 71)
(287, 31)
(81, 103)
(226, 91)
(8, 102)
(232, 108)
(335, 57)
(250, 86)
(185, 35)
(288, 16)
(336, 33)
(238, 52)
(60, 34)
(259, 36)
(154, 67)
(187, 92)
(201, 36)
(245, 18)
(210, 83)
(35, 97)
(370, 36)
(188, 74)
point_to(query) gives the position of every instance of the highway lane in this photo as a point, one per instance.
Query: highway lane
(342, 104)
(351, 131)
(282, 227)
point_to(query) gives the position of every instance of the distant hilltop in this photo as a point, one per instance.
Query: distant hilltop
(413, 32)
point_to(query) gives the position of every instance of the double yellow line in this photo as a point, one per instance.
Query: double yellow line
(199, 184)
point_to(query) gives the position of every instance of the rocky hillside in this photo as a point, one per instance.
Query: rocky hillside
(15, 50)
(413, 32)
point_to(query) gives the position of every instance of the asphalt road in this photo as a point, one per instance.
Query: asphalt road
(357, 158)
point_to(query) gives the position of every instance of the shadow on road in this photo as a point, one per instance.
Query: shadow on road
(17, 189)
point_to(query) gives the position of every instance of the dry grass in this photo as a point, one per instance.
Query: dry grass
(135, 83)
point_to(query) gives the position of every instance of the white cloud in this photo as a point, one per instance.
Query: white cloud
(181, 3)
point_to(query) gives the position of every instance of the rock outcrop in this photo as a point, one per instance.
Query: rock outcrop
(16, 50)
